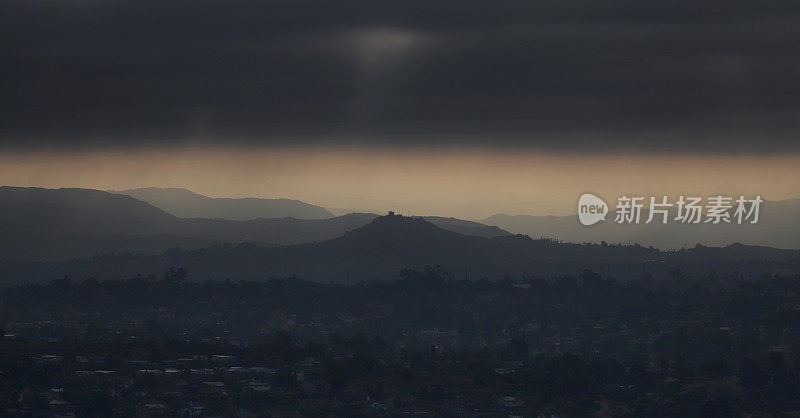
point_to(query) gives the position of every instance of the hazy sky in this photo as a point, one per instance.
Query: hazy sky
(451, 182)
(466, 108)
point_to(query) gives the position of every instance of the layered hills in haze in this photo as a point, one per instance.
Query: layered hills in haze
(187, 204)
(778, 226)
(46, 234)
(386, 245)
(58, 224)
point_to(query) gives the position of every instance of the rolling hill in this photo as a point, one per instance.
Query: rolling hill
(778, 226)
(58, 224)
(187, 204)
(386, 245)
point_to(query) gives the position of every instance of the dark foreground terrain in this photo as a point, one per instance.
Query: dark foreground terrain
(426, 344)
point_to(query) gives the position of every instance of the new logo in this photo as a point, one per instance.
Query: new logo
(591, 209)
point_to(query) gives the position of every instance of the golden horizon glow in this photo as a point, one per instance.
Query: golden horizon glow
(466, 183)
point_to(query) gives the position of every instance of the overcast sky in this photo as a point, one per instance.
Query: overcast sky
(461, 108)
(557, 75)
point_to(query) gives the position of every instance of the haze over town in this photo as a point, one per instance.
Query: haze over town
(344, 208)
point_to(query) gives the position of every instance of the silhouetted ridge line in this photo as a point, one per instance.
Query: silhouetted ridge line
(58, 224)
(187, 204)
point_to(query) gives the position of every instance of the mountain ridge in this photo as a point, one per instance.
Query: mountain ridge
(185, 203)
(778, 227)
(53, 224)
(387, 245)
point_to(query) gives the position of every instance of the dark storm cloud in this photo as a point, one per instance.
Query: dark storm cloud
(679, 75)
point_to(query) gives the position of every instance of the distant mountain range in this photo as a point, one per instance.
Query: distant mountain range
(58, 224)
(187, 204)
(47, 233)
(778, 226)
(380, 249)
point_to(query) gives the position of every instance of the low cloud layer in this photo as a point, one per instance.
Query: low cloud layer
(569, 76)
